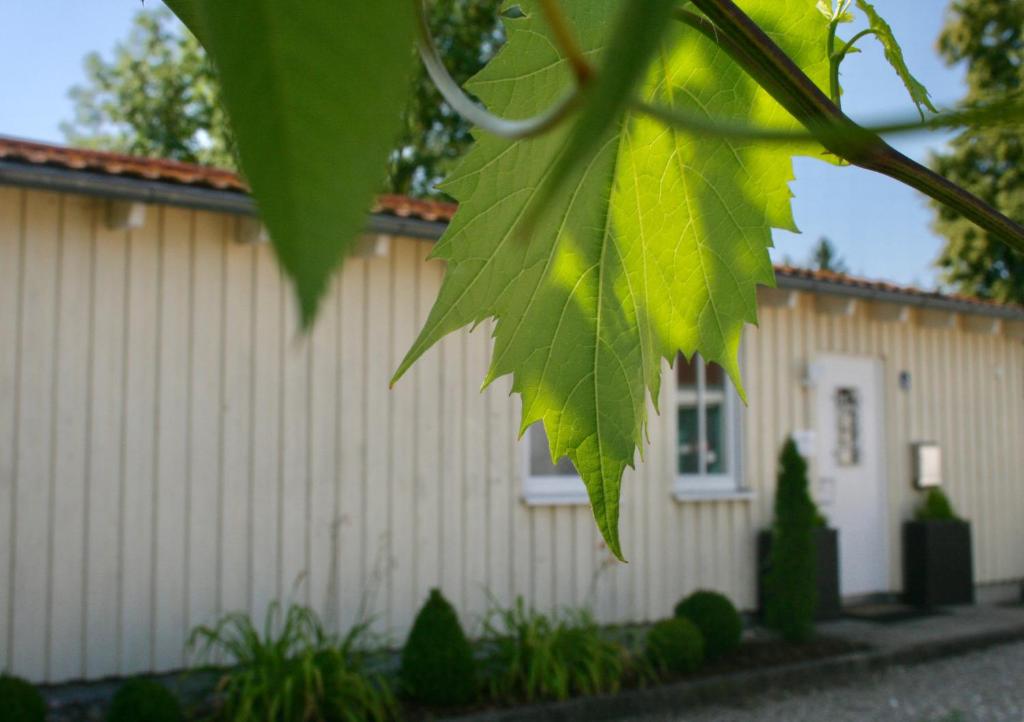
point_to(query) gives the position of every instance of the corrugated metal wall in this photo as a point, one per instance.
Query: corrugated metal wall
(170, 449)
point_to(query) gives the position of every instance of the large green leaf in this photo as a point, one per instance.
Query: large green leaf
(314, 89)
(655, 243)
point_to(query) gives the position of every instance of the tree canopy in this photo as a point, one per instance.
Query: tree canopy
(158, 96)
(825, 257)
(988, 38)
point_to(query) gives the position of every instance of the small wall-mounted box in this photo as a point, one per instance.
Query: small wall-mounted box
(927, 464)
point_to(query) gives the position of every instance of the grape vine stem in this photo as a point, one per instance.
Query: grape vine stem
(749, 45)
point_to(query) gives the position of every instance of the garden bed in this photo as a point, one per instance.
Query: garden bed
(760, 652)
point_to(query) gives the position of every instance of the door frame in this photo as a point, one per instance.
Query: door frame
(880, 467)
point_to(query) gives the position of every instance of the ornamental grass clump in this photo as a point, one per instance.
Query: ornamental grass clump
(717, 619)
(20, 701)
(144, 700)
(531, 656)
(438, 667)
(675, 646)
(791, 584)
(292, 670)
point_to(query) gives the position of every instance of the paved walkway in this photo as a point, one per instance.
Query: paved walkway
(984, 686)
(954, 626)
(922, 684)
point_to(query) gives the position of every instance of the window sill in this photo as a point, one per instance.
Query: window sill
(554, 491)
(692, 495)
(555, 499)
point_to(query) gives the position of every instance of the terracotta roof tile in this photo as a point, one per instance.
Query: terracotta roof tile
(842, 279)
(96, 161)
(169, 171)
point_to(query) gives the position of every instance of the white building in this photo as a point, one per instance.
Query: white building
(171, 449)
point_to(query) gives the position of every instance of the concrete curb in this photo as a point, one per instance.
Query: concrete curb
(669, 698)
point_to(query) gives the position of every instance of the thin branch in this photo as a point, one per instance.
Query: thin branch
(774, 70)
(470, 110)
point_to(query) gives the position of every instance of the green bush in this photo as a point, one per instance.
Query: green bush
(791, 583)
(936, 507)
(675, 645)
(437, 662)
(144, 700)
(532, 656)
(292, 671)
(20, 701)
(717, 619)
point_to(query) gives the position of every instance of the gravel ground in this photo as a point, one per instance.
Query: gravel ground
(986, 686)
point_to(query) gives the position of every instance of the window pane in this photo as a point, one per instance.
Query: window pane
(717, 452)
(714, 377)
(848, 432)
(686, 372)
(687, 425)
(540, 456)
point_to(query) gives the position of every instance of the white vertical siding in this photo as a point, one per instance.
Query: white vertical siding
(171, 449)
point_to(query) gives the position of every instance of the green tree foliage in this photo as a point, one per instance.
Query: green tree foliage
(144, 700)
(988, 38)
(791, 585)
(716, 618)
(675, 646)
(157, 96)
(20, 701)
(825, 257)
(437, 662)
(468, 33)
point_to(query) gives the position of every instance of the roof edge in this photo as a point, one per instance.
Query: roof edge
(236, 202)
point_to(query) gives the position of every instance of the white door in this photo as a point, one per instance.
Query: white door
(851, 485)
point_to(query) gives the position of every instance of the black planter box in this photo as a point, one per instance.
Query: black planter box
(826, 541)
(938, 565)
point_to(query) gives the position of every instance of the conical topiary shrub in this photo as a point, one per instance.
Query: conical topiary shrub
(20, 701)
(437, 662)
(790, 588)
(936, 507)
(144, 700)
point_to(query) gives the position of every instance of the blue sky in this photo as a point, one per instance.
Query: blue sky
(881, 228)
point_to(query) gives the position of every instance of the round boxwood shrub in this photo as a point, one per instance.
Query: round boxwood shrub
(437, 662)
(144, 700)
(716, 618)
(20, 701)
(675, 645)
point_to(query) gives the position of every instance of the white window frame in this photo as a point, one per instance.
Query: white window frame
(702, 485)
(549, 489)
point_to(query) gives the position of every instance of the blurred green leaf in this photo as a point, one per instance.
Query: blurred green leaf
(315, 91)
(188, 12)
(894, 54)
